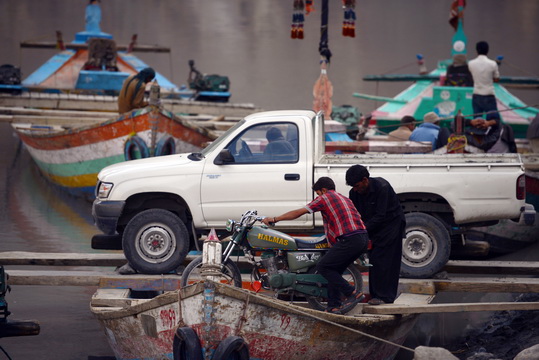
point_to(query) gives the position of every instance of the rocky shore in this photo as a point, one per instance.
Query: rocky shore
(503, 336)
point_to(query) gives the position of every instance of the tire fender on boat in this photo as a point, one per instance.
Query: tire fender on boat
(165, 146)
(186, 345)
(134, 146)
(233, 347)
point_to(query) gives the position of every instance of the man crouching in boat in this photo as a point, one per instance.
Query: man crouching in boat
(132, 94)
(345, 233)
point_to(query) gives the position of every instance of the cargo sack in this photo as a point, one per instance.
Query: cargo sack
(10, 75)
(349, 116)
(214, 82)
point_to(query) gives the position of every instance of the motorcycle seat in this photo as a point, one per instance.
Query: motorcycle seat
(314, 243)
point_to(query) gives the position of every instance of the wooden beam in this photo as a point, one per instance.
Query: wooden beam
(105, 279)
(390, 309)
(5, 110)
(53, 45)
(489, 284)
(61, 259)
(493, 267)
(66, 259)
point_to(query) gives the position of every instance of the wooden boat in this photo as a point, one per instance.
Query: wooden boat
(94, 64)
(429, 93)
(272, 329)
(71, 156)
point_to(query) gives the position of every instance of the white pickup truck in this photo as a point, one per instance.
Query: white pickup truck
(159, 206)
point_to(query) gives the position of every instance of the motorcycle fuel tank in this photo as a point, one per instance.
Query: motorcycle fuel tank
(264, 238)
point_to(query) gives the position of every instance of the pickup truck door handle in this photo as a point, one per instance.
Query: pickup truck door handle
(291, 177)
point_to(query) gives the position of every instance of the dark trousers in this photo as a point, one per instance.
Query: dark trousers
(386, 265)
(335, 262)
(485, 104)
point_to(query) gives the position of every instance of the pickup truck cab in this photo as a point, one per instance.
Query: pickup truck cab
(268, 161)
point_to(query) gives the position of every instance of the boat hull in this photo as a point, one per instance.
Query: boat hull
(72, 158)
(425, 96)
(273, 329)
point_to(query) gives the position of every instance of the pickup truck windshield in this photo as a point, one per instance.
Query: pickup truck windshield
(208, 149)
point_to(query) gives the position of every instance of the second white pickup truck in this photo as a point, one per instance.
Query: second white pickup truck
(159, 206)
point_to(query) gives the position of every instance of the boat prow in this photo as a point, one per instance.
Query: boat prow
(271, 328)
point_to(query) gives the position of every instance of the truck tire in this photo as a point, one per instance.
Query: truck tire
(426, 247)
(192, 274)
(155, 241)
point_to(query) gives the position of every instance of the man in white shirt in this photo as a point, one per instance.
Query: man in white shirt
(485, 73)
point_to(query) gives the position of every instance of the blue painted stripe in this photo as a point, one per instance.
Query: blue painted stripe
(49, 68)
(138, 64)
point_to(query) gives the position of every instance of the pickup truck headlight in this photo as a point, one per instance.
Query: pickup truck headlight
(104, 189)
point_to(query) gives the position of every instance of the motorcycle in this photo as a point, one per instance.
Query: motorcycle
(280, 263)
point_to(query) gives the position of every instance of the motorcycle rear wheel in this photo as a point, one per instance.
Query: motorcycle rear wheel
(352, 275)
(230, 273)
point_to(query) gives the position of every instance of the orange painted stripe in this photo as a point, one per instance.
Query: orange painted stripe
(112, 129)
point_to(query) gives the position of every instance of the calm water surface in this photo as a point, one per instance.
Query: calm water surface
(249, 42)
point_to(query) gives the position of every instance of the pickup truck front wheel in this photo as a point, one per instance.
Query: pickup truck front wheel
(155, 241)
(426, 248)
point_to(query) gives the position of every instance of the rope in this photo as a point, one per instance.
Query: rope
(468, 115)
(181, 323)
(356, 331)
(455, 143)
(4, 351)
(243, 318)
(399, 68)
(519, 68)
(378, 128)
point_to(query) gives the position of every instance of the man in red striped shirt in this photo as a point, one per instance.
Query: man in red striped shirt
(346, 235)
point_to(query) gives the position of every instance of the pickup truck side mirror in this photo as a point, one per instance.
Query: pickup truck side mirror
(224, 157)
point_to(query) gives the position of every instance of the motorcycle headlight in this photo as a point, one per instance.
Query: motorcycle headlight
(230, 225)
(104, 189)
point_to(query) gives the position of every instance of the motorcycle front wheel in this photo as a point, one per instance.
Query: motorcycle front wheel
(352, 275)
(230, 273)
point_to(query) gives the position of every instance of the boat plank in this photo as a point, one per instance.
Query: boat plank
(68, 259)
(490, 284)
(118, 259)
(169, 282)
(493, 267)
(61, 259)
(390, 309)
(101, 279)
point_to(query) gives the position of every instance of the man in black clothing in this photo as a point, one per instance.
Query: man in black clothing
(382, 214)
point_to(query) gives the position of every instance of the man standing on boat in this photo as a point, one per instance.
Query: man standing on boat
(132, 94)
(381, 210)
(346, 235)
(485, 72)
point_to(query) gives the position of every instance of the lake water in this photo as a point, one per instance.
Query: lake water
(249, 41)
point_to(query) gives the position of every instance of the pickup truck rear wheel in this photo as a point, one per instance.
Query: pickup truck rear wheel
(426, 248)
(155, 241)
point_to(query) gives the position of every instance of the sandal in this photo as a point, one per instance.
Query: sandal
(353, 299)
(376, 301)
(333, 310)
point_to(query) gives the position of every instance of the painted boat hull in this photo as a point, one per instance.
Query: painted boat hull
(72, 158)
(427, 95)
(273, 329)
